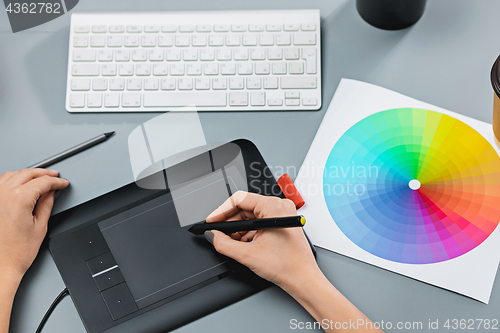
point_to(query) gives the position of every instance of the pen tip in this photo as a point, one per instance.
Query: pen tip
(109, 134)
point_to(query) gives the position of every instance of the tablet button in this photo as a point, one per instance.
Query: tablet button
(109, 279)
(119, 301)
(101, 263)
(91, 241)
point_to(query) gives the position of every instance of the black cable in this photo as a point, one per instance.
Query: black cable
(51, 308)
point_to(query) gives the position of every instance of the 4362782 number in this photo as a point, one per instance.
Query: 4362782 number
(34, 8)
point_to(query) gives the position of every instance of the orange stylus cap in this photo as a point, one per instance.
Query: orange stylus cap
(290, 191)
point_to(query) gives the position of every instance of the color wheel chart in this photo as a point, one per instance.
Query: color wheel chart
(413, 186)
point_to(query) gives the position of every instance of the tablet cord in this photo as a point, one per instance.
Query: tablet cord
(51, 308)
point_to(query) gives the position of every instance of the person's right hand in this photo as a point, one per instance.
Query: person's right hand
(277, 255)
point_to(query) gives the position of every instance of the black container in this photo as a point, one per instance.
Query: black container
(391, 14)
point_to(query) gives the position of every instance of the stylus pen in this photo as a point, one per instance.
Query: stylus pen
(72, 151)
(247, 225)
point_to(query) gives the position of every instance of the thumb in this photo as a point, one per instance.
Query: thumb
(43, 209)
(230, 247)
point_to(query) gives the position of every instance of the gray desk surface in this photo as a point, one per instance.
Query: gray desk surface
(445, 60)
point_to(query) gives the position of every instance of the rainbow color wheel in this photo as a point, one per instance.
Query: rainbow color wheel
(413, 186)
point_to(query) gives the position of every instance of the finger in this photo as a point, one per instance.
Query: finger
(248, 237)
(237, 202)
(44, 184)
(6, 176)
(229, 247)
(242, 215)
(43, 209)
(25, 175)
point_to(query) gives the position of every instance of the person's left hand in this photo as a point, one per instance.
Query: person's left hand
(26, 200)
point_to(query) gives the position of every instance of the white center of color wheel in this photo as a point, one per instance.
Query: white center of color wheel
(414, 184)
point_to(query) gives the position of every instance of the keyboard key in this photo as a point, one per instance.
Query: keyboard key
(98, 40)
(198, 98)
(275, 54)
(199, 40)
(77, 100)
(224, 54)
(80, 84)
(292, 102)
(273, 27)
(207, 54)
(84, 55)
(203, 28)
(221, 28)
(168, 84)
(99, 28)
(233, 40)
(185, 83)
(168, 28)
(151, 28)
(253, 82)
(304, 38)
(186, 28)
(94, 100)
(150, 84)
(241, 54)
(156, 55)
(165, 40)
(148, 40)
(271, 82)
(99, 84)
(292, 53)
(80, 29)
(194, 69)
(298, 82)
(116, 84)
(262, 68)
(173, 55)
(143, 69)
(250, 40)
(239, 28)
(308, 26)
(134, 84)
(296, 67)
(134, 28)
(309, 55)
(238, 98)
(291, 27)
(80, 41)
(111, 100)
(114, 41)
(182, 40)
(292, 94)
(122, 55)
(126, 69)
(105, 55)
(85, 70)
(266, 39)
(116, 28)
(108, 70)
(258, 98)
(219, 83)
(160, 69)
(258, 54)
(309, 101)
(236, 83)
(131, 100)
(256, 27)
(216, 40)
(177, 69)
(275, 102)
(131, 41)
(202, 83)
(283, 39)
(190, 55)
(279, 68)
(211, 69)
(139, 55)
(245, 68)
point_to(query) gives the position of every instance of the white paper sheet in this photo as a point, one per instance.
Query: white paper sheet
(471, 274)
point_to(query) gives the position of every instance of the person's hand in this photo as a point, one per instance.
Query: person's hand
(277, 255)
(26, 200)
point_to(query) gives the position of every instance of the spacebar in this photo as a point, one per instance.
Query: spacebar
(185, 99)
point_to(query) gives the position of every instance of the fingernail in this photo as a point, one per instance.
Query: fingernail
(209, 236)
(54, 171)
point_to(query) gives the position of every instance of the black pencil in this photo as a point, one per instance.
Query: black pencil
(72, 151)
(247, 225)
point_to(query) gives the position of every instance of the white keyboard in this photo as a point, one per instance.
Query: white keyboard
(217, 61)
